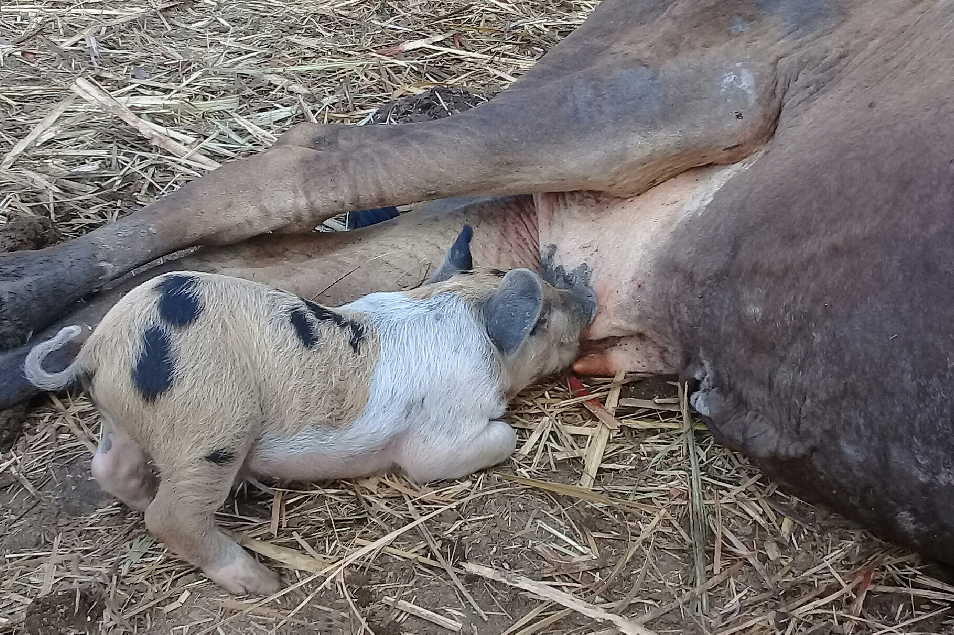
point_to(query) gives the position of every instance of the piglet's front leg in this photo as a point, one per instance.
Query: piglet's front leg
(438, 458)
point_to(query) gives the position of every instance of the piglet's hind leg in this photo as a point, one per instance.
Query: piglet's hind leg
(121, 467)
(458, 456)
(182, 516)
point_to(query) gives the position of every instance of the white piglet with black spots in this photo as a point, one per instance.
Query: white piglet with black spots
(204, 379)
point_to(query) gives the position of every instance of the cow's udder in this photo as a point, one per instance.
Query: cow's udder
(613, 246)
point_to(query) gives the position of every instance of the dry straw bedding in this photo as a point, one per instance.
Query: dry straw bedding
(616, 512)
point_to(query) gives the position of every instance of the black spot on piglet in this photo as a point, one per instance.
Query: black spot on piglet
(152, 374)
(179, 303)
(220, 457)
(303, 328)
(323, 314)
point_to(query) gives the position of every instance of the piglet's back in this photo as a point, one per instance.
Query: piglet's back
(190, 350)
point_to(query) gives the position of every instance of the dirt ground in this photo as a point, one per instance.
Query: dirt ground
(533, 546)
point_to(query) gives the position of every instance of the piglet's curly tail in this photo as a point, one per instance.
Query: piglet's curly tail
(33, 364)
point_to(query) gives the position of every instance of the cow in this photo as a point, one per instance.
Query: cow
(757, 192)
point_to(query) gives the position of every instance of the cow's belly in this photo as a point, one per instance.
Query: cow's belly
(614, 245)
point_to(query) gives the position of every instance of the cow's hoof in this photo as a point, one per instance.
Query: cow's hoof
(37, 286)
(18, 234)
(14, 387)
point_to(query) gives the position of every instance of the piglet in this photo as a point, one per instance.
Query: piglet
(204, 379)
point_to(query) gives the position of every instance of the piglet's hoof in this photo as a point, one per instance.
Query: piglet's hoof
(244, 576)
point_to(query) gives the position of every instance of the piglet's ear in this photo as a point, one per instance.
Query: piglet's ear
(458, 257)
(514, 309)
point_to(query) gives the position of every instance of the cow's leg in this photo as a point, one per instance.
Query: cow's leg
(616, 123)
(332, 268)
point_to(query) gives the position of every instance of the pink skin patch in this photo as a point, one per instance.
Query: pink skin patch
(618, 242)
(618, 258)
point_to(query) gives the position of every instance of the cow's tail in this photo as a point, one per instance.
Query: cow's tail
(33, 364)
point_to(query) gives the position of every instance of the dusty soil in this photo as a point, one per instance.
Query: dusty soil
(65, 611)
(27, 232)
(436, 102)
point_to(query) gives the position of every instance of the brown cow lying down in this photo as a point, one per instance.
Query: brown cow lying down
(209, 378)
